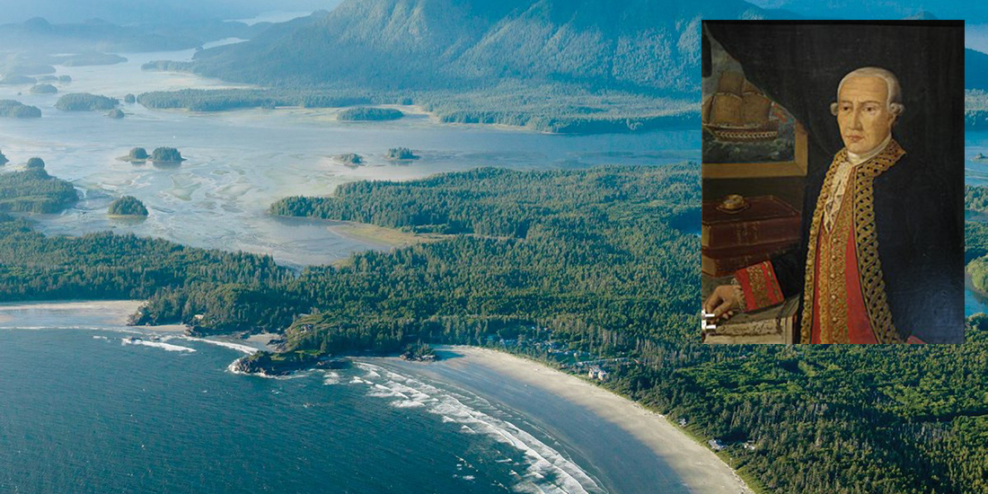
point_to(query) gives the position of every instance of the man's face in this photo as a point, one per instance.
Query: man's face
(863, 114)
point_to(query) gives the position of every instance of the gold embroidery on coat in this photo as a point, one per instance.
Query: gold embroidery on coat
(862, 218)
(759, 286)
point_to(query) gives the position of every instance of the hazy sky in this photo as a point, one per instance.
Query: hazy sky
(128, 11)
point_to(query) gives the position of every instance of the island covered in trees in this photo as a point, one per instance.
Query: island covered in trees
(137, 156)
(85, 102)
(368, 113)
(127, 206)
(208, 100)
(34, 191)
(351, 159)
(166, 155)
(15, 109)
(44, 89)
(400, 154)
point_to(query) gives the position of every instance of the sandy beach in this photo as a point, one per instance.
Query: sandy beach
(634, 450)
(83, 314)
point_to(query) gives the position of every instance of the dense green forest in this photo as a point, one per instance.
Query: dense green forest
(206, 100)
(556, 108)
(34, 191)
(366, 113)
(85, 102)
(976, 238)
(585, 260)
(975, 109)
(105, 266)
(827, 419)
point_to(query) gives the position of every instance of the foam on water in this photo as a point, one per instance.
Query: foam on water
(156, 344)
(330, 378)
(249, 350)
(547, 471)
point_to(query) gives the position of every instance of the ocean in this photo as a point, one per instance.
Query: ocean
(83, 410)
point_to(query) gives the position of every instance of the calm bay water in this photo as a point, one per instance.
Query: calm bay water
(240, 162)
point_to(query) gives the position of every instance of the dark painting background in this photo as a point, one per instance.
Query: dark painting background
(800, 64)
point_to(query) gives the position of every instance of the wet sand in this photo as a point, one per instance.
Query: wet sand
(630, 449)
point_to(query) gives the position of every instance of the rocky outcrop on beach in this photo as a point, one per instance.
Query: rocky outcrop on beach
(282, 364)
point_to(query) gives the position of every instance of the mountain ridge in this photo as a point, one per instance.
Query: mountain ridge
(638, 45)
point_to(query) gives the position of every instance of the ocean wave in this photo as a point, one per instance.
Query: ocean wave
(249, 350)
(331, 378)
(547, 470)
(156, 344)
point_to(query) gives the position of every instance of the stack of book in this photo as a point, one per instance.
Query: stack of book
(731, 240)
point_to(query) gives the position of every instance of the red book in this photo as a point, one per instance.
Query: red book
(725, 261)
(767, 220)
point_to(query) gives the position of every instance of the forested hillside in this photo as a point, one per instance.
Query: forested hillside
(589, 261)
(413, 44)
(551, 65)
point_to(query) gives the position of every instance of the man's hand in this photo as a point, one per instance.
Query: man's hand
(723, 302)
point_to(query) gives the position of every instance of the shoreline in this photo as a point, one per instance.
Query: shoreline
(631, 448)
(91, 312)
(690, 466)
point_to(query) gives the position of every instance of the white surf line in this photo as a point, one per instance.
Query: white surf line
(156, 344)
(246, 349)
(548, 471)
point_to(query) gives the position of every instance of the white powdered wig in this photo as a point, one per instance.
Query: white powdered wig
(894, 101)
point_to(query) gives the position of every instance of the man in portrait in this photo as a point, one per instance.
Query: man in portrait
(864, 267)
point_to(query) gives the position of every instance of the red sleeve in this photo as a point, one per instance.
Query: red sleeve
(760, 286)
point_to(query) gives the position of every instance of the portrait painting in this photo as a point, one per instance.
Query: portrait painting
(833, 182)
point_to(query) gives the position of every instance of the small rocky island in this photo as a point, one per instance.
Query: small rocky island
(351, 159)
(363, 113)
(35, 164)
(115, 114)
(17, 80)
(127, 207)
(283, 364)
(15, 109)
(3, 159)
(130, 99)
(420, 352)
(43, 89)
(401, 154)
(137, 156)
(165, 155)
(86, 102)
